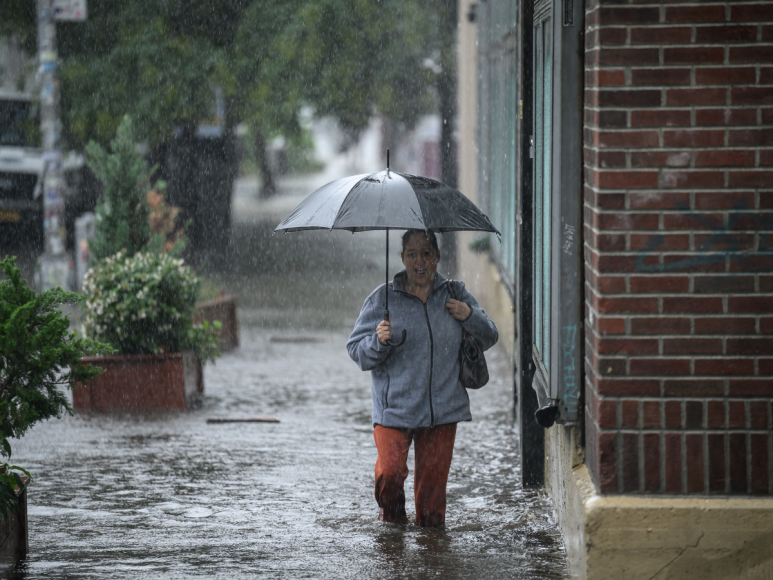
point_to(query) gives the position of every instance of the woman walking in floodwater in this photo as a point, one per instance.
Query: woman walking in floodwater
(417, 396)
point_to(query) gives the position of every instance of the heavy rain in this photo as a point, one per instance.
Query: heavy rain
(237, 111)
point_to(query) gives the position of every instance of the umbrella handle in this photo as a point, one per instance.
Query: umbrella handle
(402, 339)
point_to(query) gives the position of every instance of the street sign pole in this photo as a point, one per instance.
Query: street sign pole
(53, 265)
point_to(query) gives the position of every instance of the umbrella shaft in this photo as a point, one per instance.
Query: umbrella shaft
(386, 289)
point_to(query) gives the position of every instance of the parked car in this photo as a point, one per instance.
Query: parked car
(21, 177)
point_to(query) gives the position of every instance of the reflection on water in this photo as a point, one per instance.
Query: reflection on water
(169, 496)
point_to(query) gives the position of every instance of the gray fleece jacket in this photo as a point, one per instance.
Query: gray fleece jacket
(416, 384)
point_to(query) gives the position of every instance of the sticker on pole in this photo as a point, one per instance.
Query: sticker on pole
(70, 10)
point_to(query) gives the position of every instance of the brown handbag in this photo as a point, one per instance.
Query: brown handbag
(473, 371)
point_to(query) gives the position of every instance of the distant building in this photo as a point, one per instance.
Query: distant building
(625, 152)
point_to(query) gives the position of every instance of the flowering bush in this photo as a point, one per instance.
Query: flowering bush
(144, 304)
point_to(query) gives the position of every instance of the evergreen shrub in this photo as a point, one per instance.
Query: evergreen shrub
(39, 356)
(126, 218)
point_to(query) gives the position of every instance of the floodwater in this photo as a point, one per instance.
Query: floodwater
(170, 496)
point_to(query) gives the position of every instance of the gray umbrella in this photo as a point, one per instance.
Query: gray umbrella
(387, 201)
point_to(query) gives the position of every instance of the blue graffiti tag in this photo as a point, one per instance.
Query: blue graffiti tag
(722, 235)
(569, 368)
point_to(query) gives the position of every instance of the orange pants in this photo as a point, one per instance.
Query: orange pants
(433, 448)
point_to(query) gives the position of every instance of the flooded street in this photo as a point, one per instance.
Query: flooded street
(170, 496)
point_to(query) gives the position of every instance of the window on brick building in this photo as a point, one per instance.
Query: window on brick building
(543, 148)
(555, 189)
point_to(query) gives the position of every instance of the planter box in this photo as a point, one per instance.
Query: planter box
(142, 381)
(224, 310)
(14, 534)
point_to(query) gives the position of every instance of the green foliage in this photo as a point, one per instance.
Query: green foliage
(144, 304)
(265, 91)
(158, 61)
(346, 58)
(11, 483)
(122, 213)
(153, 60)
(480, 244)
(38, 356)
(354, 58)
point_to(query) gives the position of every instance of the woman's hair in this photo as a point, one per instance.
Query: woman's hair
(430, 236)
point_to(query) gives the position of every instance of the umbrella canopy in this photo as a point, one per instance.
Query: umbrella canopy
(387, 200)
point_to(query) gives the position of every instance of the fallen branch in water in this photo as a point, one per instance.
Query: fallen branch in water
(245, 420)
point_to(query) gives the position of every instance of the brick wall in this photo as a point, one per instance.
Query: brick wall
(679, 246)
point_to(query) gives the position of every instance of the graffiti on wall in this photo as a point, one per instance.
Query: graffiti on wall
(569, 367)
(568, 239)
(727, 240)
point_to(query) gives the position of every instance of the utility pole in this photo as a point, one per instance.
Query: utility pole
(53, 265)
(446, 87)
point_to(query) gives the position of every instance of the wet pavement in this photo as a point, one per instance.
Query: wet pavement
(170, 496)
(173, 497)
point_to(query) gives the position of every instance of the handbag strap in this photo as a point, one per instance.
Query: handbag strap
(452, 292)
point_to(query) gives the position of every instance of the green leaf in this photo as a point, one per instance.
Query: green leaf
(38, 354)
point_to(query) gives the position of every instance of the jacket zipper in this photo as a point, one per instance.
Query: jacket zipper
(431, 350)
(386, 394)
(431, 364)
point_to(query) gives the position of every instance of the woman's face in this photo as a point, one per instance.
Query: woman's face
(420, 260)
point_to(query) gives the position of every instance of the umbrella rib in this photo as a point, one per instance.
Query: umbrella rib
(416, 198)
(343, 201)
(381, 202)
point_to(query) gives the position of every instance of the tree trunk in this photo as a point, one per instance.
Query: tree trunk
(261, 154)
(177, 169)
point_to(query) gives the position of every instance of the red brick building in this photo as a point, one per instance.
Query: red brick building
(625, 150)
(678, 151)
